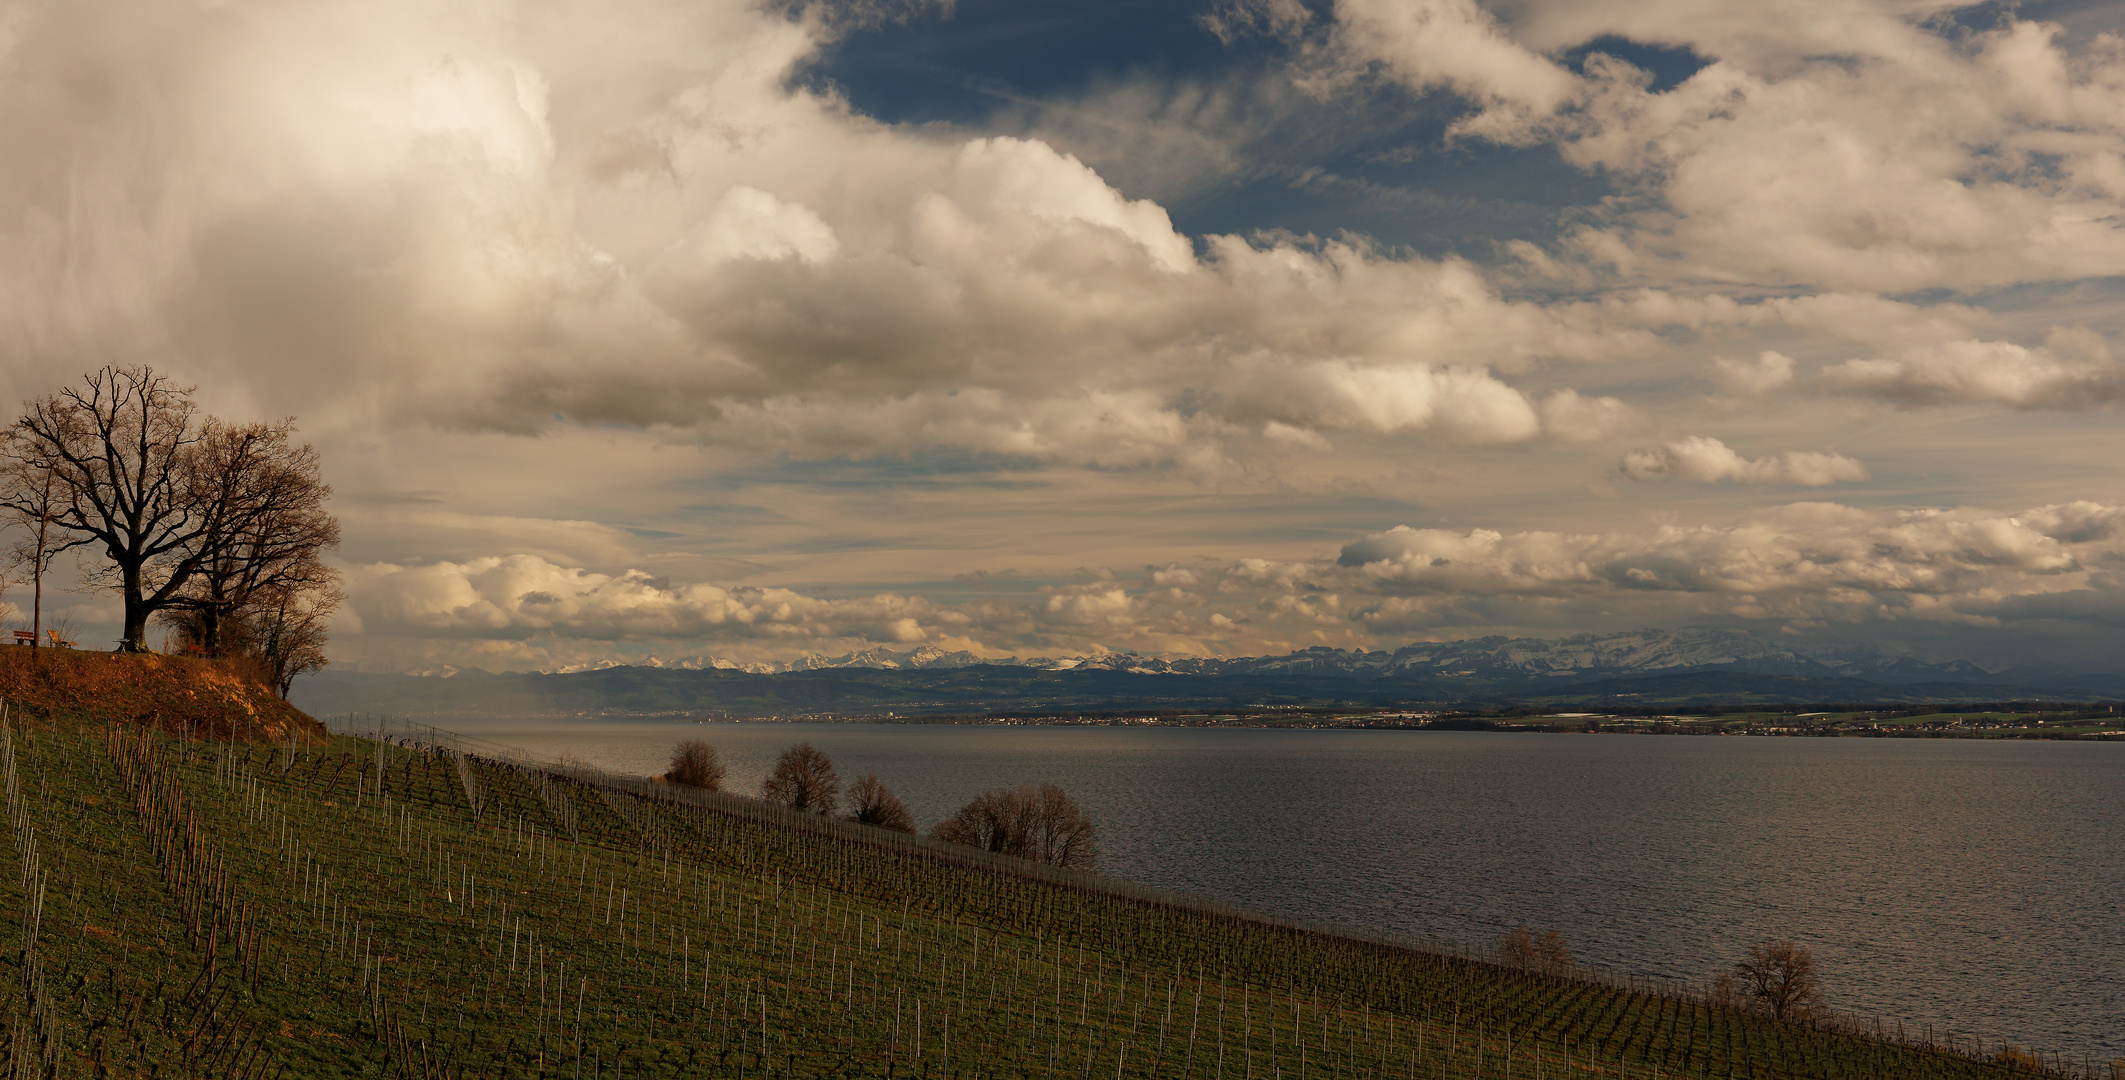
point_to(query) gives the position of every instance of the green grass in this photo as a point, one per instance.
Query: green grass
(347, 909)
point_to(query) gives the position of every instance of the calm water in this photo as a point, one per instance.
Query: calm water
(1970, 885)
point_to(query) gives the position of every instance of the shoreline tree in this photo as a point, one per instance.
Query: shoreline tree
(1777, 977)
(694, 764)
(1545, 952)
(803, 779)
(1038, 823)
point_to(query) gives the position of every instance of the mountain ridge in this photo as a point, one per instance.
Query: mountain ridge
(1691, 665)
(1576, 657)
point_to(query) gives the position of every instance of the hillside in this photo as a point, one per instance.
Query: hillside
(1684, 667)
(1490, 661)
(863, 691)
(349, 908)
(180, 695)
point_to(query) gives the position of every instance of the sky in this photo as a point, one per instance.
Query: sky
(1034, 329)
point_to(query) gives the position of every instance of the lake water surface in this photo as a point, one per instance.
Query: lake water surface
(1974, 886)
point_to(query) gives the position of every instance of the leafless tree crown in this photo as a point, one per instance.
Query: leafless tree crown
(803, 779)
(1777, 977)
(266, 524)
(872, 803)
(694, 764)
(222, 523)
(1039, 823)
(122, 450)
(1545, 952)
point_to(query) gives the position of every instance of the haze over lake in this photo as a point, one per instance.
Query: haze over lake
(1974, 886)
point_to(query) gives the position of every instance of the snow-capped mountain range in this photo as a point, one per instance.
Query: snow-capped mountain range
(1694, 664)
(1485, 659)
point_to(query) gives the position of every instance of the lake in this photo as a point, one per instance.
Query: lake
(1974, 886)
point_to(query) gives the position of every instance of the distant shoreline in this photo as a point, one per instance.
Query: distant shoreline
(2094, 723)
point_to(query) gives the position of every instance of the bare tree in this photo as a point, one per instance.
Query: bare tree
(803, 779)
(286, 624)
(120, 451)
(1545, 952)
(191, 513)
(1063, 834)
(1042, 824)
(34, 508)
(266, 526)
(991, 821)
(1777, 977)
(694, 764)
(874, 804)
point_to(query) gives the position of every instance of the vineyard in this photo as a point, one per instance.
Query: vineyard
(337, 906)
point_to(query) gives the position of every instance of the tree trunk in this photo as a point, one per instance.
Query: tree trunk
(44, 525)
(136, 613)
(210, 629)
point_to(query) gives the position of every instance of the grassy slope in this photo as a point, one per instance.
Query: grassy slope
(217, 909)
(180, 695)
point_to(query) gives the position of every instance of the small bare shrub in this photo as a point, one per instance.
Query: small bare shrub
(694, 764)
(1545, 952)
(2015, 1057)
(874, 804)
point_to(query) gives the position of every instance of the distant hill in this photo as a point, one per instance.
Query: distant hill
(1699, 665)
(1494, 660)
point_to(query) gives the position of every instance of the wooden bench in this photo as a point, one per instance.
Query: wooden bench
(25, 637)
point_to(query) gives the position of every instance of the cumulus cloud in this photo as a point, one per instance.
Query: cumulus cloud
(1769, 371)
(1992, 372)
(479, 219)
(1857, 146)
(1458, 45)
(751, 224)
(1570, 416)
(1811, 562)
(519, 596)
(430, 229)
(1385, 399)
(1814, 560)
(1710, 461)
(524, 610)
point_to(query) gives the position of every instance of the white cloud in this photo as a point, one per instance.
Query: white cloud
(1769, 371)
(1105, 428)
(1819, 558)
(1467, 405)
(468, 218)
(519, 596)
(1459, 45)
(1809, 561)
(1993, 372)
(1238, 19)
(522, 610)
(1710, 461)
(1570, 416)
(1829, 145)
(507, 257)
(751, 224)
